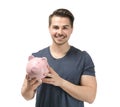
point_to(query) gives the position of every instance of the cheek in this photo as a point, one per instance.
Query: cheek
(53, 32)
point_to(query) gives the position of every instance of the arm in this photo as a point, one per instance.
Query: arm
(86, 91)
(29, 87)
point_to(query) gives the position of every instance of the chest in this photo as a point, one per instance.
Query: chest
(69, 69)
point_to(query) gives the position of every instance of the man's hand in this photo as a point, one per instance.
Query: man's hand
(52, 78)
(29, 87)
(32, 83)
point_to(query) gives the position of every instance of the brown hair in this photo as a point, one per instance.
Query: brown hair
(62, 13)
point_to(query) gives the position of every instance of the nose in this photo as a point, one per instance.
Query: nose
(60, 32)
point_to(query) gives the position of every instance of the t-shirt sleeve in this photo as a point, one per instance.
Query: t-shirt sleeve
(89, 67)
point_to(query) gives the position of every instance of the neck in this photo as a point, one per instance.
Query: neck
(59, 51)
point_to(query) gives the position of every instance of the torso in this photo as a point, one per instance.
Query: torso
(69, 67)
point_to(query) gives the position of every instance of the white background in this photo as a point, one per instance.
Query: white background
(24, 29)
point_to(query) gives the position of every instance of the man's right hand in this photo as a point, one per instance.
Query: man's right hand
(29, 87)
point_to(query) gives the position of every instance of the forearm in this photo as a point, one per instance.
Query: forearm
(83, 93)
(27, 90)
(27, 93)
(29, 87)
(86, 91)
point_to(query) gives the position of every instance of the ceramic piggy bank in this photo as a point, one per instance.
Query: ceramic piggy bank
(37, 67)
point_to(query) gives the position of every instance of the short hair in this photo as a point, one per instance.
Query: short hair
(62, 13)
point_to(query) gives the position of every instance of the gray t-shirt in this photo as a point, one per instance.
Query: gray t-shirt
(71, 67)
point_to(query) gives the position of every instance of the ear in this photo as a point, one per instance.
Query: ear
(30, 57)
(44, 58)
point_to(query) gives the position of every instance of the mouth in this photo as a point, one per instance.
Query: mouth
(60, 37)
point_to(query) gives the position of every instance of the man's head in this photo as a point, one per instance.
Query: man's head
(62, 13)
(61, 26)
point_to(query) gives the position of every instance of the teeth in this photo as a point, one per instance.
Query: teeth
(61, 37)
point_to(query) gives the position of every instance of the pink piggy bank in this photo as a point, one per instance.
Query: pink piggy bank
(37, 67)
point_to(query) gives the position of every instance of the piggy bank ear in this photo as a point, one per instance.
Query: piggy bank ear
(30, 57)
(44, 58)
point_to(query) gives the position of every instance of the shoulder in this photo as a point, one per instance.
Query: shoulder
(41, 52)
(86, 59)
(81, 54)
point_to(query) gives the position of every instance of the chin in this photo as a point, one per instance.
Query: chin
(60, 43)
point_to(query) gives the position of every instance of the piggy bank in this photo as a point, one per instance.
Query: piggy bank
(37, 67)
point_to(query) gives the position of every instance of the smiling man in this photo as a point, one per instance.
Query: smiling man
(72, 78)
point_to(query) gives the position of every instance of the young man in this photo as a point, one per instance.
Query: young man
(72, 76)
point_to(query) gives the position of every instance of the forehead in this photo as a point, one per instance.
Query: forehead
(60, 21)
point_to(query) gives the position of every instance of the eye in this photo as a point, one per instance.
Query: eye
(65, 27)
(55, 27)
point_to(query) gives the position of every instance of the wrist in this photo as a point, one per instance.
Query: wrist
(63, 83)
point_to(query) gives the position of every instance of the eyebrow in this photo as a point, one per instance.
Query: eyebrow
(63, 25)
(66, 25)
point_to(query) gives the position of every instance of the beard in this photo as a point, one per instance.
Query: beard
(59, 43)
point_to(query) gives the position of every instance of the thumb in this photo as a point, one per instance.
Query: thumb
(51, 70)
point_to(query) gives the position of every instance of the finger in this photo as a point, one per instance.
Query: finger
(28, 77)
(36, 84)
(32, 81)
(47, 80)
(49, 76)
(51, 70)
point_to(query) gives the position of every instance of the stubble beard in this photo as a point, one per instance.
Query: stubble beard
(59, 43)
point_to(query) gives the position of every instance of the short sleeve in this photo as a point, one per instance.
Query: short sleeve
(89, 67)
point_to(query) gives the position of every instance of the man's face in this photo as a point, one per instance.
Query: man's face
(60, 30)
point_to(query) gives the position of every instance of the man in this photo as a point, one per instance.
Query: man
(71, 79)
